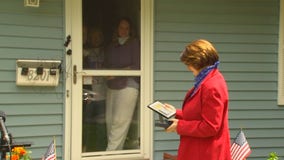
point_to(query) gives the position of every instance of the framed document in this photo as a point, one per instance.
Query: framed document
(162, 110)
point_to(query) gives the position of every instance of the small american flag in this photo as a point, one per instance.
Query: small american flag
(51, 152)
(240, 148)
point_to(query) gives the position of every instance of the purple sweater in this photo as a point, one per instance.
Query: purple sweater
(122, 57)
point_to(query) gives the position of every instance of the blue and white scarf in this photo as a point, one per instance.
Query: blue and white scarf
(201, 76)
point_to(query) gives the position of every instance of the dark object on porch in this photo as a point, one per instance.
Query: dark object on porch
(168, 156)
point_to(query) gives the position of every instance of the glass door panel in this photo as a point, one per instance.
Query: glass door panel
(111, 103)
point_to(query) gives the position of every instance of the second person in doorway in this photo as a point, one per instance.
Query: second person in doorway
(122, 91)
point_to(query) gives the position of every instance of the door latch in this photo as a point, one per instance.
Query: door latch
(74, 74)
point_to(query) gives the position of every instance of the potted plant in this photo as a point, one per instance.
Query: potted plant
(19, 153)
(273, 156)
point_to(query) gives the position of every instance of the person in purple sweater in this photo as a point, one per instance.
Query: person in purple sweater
(122, 91)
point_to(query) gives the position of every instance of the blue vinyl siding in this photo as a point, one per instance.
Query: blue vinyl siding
(246, 35)
(33, 114)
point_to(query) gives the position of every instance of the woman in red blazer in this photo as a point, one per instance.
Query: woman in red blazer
(202, 123)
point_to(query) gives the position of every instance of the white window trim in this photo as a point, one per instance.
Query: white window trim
(281, 56)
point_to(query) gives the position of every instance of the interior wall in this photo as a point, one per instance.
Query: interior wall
(104, 14)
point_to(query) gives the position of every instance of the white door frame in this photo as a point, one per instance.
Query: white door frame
(73, 124)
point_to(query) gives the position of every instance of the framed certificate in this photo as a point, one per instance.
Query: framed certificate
(162, 110)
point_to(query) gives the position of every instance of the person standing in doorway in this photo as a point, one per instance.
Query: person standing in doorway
(122, 91)
(94, 130)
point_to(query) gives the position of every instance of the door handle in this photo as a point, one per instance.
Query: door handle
(74, 74)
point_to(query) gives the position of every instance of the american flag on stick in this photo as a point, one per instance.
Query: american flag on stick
(240, 149)
(51, 151)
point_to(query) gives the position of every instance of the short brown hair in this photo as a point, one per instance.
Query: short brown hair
(199, 54)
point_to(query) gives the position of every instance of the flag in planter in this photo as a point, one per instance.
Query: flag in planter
(51, 151)
(240, 148)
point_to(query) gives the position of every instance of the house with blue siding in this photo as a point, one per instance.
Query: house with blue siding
(248, 35)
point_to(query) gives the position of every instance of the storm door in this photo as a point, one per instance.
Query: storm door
(110, 84)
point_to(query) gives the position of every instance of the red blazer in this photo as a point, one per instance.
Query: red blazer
(203, 121)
